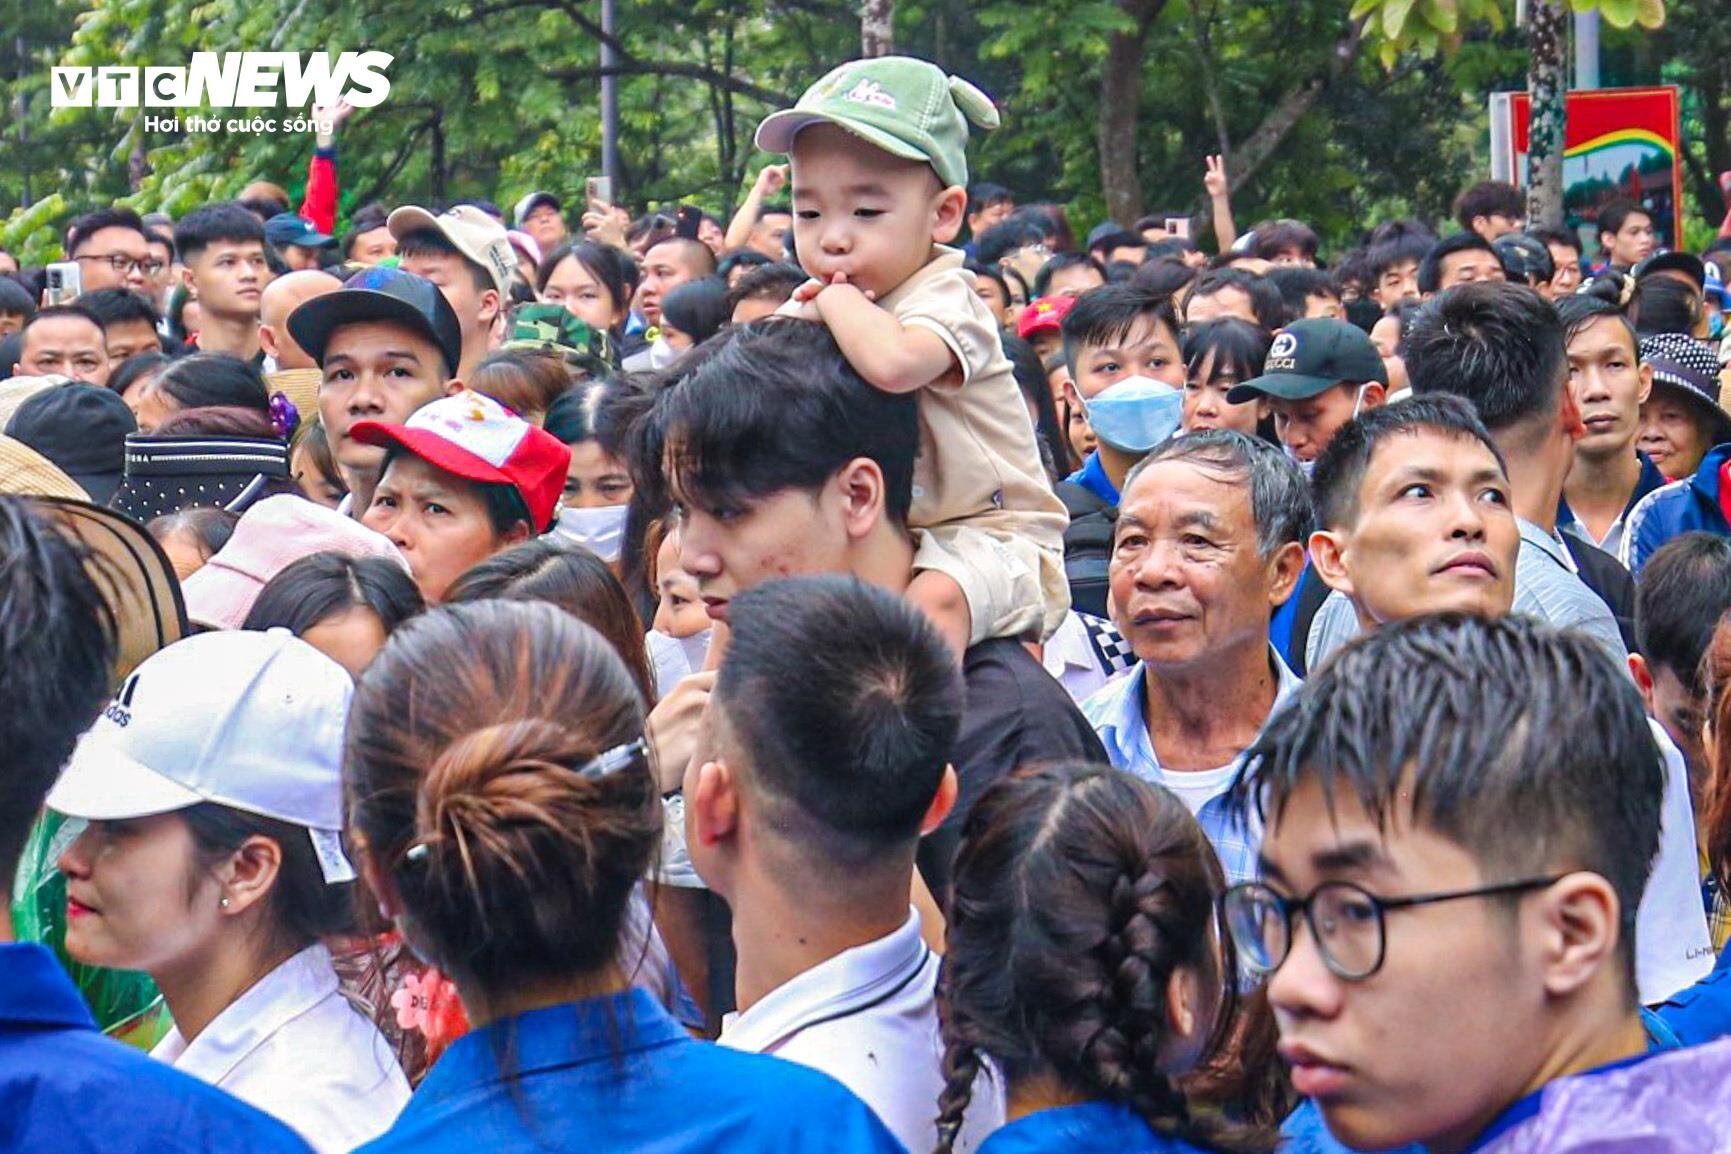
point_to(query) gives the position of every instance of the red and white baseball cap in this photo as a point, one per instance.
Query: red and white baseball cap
(475, 437)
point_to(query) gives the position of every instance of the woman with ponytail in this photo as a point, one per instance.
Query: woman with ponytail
(504, 809)
(1085, 965)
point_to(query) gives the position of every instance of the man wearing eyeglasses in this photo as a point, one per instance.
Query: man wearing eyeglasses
(110, 248)
(1446, 910)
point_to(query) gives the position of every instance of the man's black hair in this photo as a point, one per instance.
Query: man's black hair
(365, 219)
(226, 222)
(1614, 214)
(432, 242)
(263, 207)
(1430, 268)
(1265, 299)
(984, 195)
(1060, 262)
(1524, 745)
(1489, 198)
(1566, 237)
(844, 743)
(700, 255)
(1680, 594)
(1340, 469)
(774, 281)
(1163, 277)
(84, 227)
(1297, 285)
(1108, 313)
(989, 271)
(57, 644)
(1006, 237)
(1278, 236)
(1384, 255)
(767, 407)
(1664, 304)
(50, 312)
(158, 236)
(773, 208)
(117, 306)
(1399, 228)
(15, 299)
(1171, 248)
(1498, 345)
(1578, 310)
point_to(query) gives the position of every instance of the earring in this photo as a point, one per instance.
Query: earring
(222, 904)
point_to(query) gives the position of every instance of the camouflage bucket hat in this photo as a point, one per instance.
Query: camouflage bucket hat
(555, 329)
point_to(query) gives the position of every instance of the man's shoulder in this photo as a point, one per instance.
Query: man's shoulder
(50, 1078)
(1011, 697)
(1673, 1100)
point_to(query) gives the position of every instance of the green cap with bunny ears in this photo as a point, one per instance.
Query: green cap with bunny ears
(909, 108)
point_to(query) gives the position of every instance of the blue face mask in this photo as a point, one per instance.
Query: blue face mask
(1135, 414)
(1716, 326)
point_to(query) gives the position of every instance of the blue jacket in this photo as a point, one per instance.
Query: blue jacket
(1091, 1128)
(1683, 506)
(1702, 1012)
(618, 1074)
(65, 1089)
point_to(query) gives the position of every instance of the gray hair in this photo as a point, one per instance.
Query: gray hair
(1279, 494)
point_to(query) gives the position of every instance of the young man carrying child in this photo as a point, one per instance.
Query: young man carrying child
(880, 177)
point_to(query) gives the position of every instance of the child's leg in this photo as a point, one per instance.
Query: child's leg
(940, 598)
(996, 576)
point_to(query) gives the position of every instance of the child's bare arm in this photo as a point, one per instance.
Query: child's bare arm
(890, 355)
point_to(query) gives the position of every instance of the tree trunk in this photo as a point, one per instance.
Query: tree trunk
(1547, 45)
(1268, 136)
(877, 33)
(1120, 112)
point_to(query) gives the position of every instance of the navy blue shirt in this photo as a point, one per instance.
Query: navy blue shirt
(1091, 1128)
(1702, 1012)
(617, 1074)
(65, 1089)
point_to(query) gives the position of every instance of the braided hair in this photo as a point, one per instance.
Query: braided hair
(1079, 893)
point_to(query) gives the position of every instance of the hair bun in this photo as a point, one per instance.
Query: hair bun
(497, 775)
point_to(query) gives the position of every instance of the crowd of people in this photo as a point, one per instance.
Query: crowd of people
(871, 674)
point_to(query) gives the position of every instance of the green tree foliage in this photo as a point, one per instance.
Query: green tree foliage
(1325, 115)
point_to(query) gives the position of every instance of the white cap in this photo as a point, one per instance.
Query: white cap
(252, 721)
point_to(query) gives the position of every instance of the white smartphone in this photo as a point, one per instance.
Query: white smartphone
(1178, 226)
(65, 282)
(599, 188)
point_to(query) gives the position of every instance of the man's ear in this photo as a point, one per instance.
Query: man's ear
(1569, 416)
(1643, 676)
(1580, 917)
(1287, 564)
(860, 484)
(1646, 383)
(942, 802)
(1328, 558)
(267, 340)
(948, 214)
(712, 804)
(489, 306)
(1375, 396)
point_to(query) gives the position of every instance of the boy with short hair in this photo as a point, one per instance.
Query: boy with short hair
(879, 174)
(1392, 266)
(222, 254)
(1461, 817)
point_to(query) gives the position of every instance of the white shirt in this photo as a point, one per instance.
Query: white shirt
(1672, 948)
(293, 1047)
(1070, 657)
(868, 1017)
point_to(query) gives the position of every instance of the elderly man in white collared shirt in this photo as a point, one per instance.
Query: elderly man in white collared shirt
(1207, 545)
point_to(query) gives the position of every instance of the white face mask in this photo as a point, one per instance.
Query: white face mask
(1304, 467)
(601, 530)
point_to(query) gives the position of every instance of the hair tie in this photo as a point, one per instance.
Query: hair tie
(284, 417)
